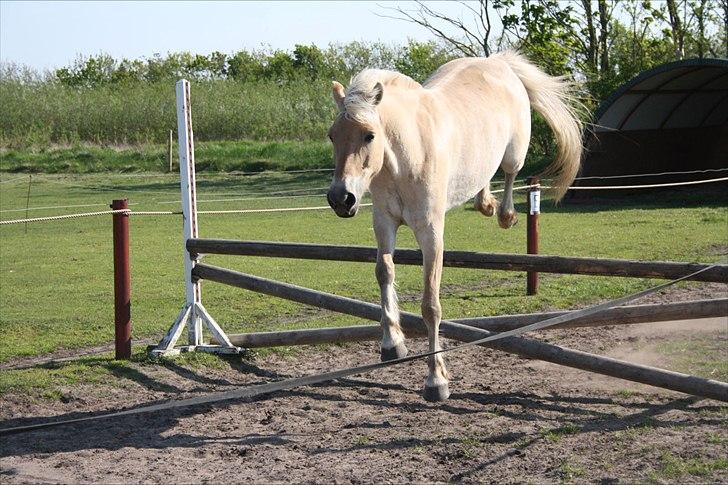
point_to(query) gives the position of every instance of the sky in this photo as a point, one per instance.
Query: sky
(47, 35)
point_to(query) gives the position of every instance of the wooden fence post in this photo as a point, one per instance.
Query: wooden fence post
(533, 205)
(122, 281)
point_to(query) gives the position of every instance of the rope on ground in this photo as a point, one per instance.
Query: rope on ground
(718, 389)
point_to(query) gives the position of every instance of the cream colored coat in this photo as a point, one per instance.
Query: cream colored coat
(423, 149)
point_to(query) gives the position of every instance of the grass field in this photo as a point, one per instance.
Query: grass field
(229, 156)
(56, 283)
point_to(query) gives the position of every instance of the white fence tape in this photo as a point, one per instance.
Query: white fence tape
(292, 209)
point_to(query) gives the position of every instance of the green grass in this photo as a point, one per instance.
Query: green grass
(633, 432)
(568, 472)
(672, 467)
(555, 435)
(56, 278)
(699, 356)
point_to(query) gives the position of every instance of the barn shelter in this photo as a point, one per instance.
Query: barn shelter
(672, 118)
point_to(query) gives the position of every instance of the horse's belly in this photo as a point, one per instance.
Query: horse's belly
(463, 187)
(469, 177)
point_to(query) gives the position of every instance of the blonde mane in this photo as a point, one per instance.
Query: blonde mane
(359, 102)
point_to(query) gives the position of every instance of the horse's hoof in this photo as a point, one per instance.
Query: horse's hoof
(437, 393)
(508, 219)
(487, 207)
(397, 352)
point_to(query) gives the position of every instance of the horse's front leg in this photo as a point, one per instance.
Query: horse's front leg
(430, 240)
(385, 229)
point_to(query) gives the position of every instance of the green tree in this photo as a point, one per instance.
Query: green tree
(244, 66)
(420, 59)
(279, 66)
(87, 71)
(309, 61)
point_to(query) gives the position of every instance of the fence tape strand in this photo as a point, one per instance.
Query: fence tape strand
(292, 209)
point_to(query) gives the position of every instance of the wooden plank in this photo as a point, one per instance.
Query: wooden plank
(465, 259)
(518, 345)
(626, 315)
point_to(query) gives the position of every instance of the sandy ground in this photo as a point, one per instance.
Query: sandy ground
(508, 419)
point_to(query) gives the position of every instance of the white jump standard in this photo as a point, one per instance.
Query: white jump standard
(193, 314)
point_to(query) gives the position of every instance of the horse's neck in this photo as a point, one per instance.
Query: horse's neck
(408, 148)
(430, 148)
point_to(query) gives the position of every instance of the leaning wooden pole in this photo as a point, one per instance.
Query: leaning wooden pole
(625, 315)
(529, 348)
(465, 259)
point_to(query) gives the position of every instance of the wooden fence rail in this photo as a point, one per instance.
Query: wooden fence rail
(529, 348)
(465, 259)
(617, 316)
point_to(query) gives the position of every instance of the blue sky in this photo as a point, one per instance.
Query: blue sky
(46, 35)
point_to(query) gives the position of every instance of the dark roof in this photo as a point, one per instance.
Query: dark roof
(683, 94)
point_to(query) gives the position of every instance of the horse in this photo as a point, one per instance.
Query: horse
(422, 149)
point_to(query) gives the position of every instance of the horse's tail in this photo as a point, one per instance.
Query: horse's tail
(554, 99)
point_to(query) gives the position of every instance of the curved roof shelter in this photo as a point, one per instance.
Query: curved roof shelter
(673, 117)
(682, 94)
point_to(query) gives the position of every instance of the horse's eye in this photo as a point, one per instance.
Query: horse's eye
(369, 137)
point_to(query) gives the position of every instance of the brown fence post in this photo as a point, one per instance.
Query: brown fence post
(533, 207)
(122, 281)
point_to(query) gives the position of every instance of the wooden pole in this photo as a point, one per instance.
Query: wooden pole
(464, 259)
(170, 144)
(533, 209)
(122, 282)
(626, 315)
(518, 345)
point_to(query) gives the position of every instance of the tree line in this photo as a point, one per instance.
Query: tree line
(303, 63)
(601, 42)
(274, 94)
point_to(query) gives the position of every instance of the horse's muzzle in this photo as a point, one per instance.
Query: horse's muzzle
(342, 201)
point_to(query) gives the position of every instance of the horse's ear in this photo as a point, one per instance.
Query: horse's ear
(338, 92)
(378, 92)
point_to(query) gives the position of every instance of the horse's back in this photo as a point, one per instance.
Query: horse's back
(473, 72)
(486, 107)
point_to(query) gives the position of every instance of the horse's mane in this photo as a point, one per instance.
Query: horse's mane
(359, 100)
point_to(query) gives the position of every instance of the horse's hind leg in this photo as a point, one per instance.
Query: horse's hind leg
(485, 202)
(507, 216)
(511, 164)
(393, 346)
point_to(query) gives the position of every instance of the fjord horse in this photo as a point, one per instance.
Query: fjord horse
(423, 149)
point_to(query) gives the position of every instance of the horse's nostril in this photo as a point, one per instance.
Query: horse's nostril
(350, 200)
(330, 200)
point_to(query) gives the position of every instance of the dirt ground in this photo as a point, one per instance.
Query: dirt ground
(508, 419)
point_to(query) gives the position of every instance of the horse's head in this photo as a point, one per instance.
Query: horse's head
(358, 140)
